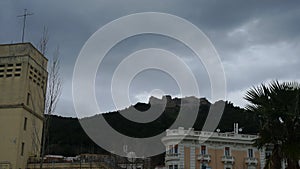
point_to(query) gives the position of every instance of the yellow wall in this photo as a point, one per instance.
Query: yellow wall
(187, 159)
(216, 156)
(257, 155)
(238, 154)
(239, 158)
(197, 151)
(14, 105)
(13, 135)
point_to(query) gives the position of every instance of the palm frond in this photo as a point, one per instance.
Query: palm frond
(277, 105)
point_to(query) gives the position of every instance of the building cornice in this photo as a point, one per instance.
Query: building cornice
(178, 135)
(21, 105)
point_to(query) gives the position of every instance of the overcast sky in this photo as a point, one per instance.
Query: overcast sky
(257, 41)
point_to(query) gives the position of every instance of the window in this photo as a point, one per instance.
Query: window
(28, 99)
(19, 64)
(17, 75)
(173, 149)
(203, 150)
(1, 70)
(176, 149)
(10, 65)
(9, 70)
(173, 166)
(250, 153)
(227, 151)
(18, 69)
(22, 148)
(9, 75)
(25, 123)
(170, 149)
(2, 65)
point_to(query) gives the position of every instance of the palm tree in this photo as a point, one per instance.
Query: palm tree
(277, 107)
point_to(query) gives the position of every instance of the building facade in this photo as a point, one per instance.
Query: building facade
(89, 161)
(82, 161)
(23, 80)
(189, 149)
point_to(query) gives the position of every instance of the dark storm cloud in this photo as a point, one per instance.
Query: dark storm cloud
(257, 40)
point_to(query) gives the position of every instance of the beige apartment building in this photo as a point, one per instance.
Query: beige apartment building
(23, 80)
(82, 161)
(189, 149)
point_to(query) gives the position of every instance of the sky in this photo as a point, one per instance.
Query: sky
(257, 41)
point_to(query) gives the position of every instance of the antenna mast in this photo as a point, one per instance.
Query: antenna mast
(24, 16)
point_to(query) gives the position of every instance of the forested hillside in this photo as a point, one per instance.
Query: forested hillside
(66, 136)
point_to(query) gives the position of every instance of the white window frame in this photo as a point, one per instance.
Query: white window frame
(205, 150)
(253, 154)
(229, 151)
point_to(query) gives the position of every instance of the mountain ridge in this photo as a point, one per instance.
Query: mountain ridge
(66, 136)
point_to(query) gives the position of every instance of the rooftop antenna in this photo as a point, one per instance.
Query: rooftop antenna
(24, 22)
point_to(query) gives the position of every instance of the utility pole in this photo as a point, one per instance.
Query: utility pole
(24, 16)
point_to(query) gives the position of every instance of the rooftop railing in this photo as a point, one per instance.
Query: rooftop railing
(190, 132)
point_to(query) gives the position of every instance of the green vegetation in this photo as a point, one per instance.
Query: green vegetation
(277, 107)
(66, 137)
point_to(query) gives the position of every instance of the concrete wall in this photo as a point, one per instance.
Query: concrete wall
(23, 79)
(13, 135)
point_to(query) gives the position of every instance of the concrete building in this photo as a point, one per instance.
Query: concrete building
(82, 161)
(189, 149)
(91, 161)
(23, 80)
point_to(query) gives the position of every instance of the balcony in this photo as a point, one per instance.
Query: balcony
(228, 159)
(251, 161)
(172, 157)
(204, 157)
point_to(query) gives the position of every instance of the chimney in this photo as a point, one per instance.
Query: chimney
(236, 128)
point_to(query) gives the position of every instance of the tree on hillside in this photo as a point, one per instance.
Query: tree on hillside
(277, 107)
(54, 86)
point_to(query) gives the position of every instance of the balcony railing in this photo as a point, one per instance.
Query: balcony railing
(251, 161)
(228, 159)
(205, 134)
(204, 157)
(172, 156)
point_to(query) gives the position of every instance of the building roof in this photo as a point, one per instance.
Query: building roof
(203, 136)
(26, 44)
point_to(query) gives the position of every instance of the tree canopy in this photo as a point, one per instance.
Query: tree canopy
(277, 108)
